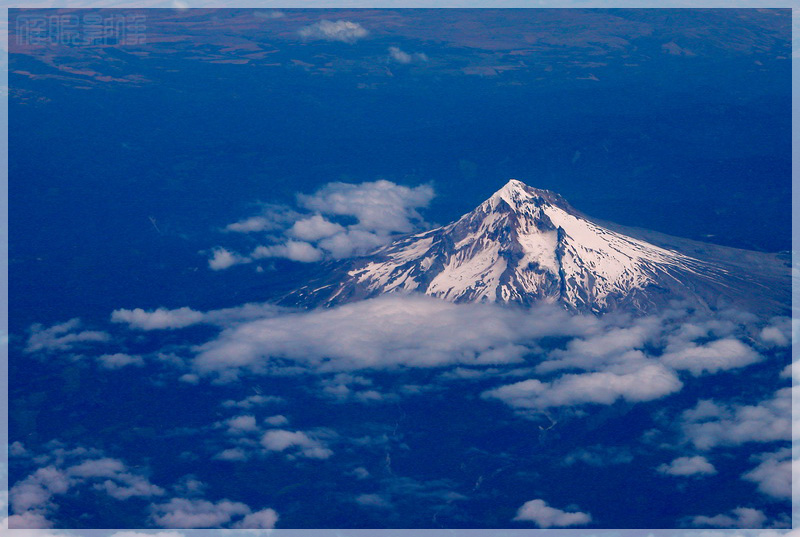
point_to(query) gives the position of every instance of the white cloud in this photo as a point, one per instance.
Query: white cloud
(158, 319)
(166, 319)
(282, 440)
(232, 454)
(709, 424)
(277, 420)
(774, 474)
(686, 466)
(273, 217)
(300, 251)
(251, 225)
(32, 499)
(381, 210)
(264, 519)
(719, 355)
(651, 381)
(778, 333)
(194, 513)
(29, 520)
(223, 259)
(344, 31)
(544, 516)
(119, 360)
(300, 442)
(385, 332)
(401, 56)
(253, 401)
(61, 337)
(129, 486)
(741, 517)
(352, 242)
(314, 228)
(240, 425)
(379, 206)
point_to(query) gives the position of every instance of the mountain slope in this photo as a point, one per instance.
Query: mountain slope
(525, 245)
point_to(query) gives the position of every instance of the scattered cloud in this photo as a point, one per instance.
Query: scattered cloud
(277, 420)
(119, 360)
(61, 337)
(544, 516)
(710, 424)
(197, 513)
(32, 500)
(688, 466)
(741, 517)
(240, 425)
(298, 442)
(381, 210)
(253, 401)
(401, 56)
(222, 259)
(343, 31)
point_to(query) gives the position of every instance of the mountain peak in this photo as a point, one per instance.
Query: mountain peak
(517, 195)
(525, 245)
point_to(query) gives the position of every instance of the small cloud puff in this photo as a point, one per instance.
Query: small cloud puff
(119, 360)
(223, 259)
(300, 251)
(302, 444)
(400, 56)
(687, 466)
(544, 516)
(325, 30)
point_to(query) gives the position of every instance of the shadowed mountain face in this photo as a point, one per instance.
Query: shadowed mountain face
(525, 245)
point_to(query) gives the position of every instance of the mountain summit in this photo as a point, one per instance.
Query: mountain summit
(525, 245)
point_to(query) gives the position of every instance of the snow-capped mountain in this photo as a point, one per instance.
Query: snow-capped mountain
(525, 245)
